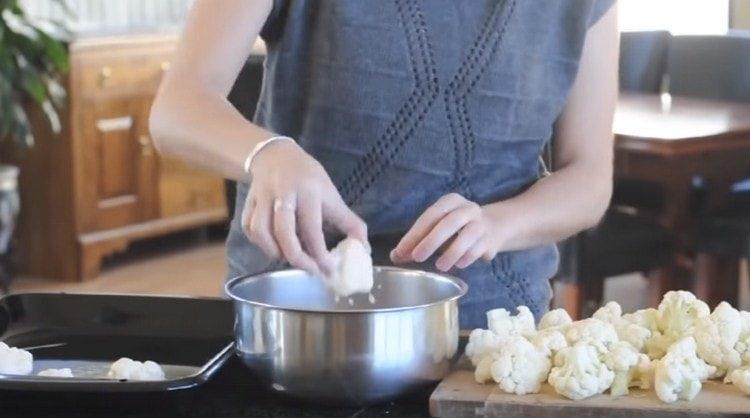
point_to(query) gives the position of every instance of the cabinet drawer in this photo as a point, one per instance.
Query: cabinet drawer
(126, 72)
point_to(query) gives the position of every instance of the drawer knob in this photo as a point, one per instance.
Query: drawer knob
(145, 142)
(165, 66)
(104, 75)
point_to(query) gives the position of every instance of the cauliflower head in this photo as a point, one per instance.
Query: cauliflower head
(481, 343)
(126, 368)
(630, 332)
(15, 360)
(626, 362)
(741, 379)
(483, 371)
(520, 367)
(504, 325)
(594, 331)
(680, 373)
(556, 318)
(549, 340)
(716, 337)
(743, 342)
(679, 312)
(579, 372)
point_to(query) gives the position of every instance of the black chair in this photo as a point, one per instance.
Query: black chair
(723, 239)
(716, 67)
(710, 66)
(244, 97)
(643, 57)
(629, 239)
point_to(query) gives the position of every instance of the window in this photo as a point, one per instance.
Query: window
(680, 17)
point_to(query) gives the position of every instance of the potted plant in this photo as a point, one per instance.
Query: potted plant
(33, 60)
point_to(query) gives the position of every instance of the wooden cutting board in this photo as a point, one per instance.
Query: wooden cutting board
(459, 396)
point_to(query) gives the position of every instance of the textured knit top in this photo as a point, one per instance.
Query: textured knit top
(403, 101)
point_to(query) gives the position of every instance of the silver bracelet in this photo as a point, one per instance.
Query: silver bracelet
(258, 147)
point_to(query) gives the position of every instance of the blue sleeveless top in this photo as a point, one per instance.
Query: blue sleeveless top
(403, 101)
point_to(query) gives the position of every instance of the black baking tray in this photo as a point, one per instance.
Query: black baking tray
(189, 337)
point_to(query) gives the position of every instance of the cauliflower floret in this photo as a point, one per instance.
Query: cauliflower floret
(630, 332)
(646, 318)
(743, 342)
(483, 371)
(626, 362)
(56, 373)
(611, 312)
(549, 340)
(520, 367)
(15, 360)
(502, 323)
(126, 368)
(741, 379)
(481, 343)
(678, 375)
(594, 331)
(555, 318)
(579, 372)
(679, 312)
(716, 337)
(352, 270)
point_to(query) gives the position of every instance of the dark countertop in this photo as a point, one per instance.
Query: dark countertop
(232, 393)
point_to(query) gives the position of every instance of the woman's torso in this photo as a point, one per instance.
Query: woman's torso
(403, 101)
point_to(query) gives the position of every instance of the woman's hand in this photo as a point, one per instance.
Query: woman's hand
(290, 198)
(472, 230)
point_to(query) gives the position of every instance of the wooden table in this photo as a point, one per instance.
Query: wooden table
(671, 140)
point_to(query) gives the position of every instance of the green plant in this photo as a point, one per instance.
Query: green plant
(33, 59)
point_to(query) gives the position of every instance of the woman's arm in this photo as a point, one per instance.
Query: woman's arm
(573, 198)
(291, 194)
(191, 117)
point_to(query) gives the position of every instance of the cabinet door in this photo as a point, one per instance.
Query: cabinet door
(119, 165)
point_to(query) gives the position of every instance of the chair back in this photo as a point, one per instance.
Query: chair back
(643, 57)
(710, 66)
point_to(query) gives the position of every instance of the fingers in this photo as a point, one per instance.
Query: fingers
(444, 230)
(424, 224)
(285, 232)
(257, 221)
(465, 239)
(472, 255)
(309, 215)
(345, 220)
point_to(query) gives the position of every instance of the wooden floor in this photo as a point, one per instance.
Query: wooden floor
(193, 270)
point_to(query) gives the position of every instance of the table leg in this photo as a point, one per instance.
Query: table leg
(717, 278)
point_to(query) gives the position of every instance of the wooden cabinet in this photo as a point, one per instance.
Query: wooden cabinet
(100, 185)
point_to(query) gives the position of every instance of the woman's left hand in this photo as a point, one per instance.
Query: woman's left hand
(470, 228)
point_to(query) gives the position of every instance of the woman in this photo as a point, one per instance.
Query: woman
(417, 123)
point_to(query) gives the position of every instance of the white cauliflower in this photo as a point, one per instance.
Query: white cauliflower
(741, 379)
(716, 337)
(678, 315)
(352, 270)
(627, 363)
(481, 343)
(483, 370)
(743, 342)
(549, 340)
(678, 375)
(555, 318)
(126, 368)
(504, 325)
(628, 331)
(15, 360)
(56, 373)
(520, 367)
(579, 372)
(594, 331)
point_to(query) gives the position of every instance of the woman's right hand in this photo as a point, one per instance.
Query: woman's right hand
(290, 198)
